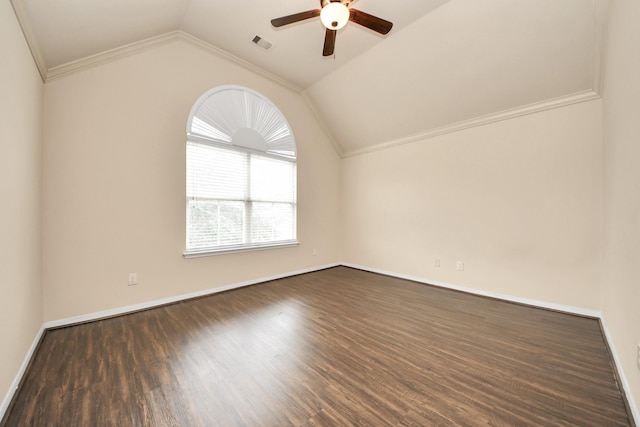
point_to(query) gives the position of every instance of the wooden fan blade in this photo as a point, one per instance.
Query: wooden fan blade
(374, 23)
(296, 17)
(329, 42)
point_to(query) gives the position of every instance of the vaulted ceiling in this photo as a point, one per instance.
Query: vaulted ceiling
(446, 64)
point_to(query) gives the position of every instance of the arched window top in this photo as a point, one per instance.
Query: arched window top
(238, 116)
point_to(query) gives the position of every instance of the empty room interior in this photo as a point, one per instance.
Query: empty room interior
(459, 247)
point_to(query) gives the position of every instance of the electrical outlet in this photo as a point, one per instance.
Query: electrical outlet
(638, 358)
(133, 279)
(460, 266)
(436, 262)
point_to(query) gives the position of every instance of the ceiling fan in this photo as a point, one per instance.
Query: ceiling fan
(334, 15)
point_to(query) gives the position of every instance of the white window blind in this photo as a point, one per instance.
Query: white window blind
(241, 179)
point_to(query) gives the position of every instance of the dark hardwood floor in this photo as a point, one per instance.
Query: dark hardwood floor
(337, 347)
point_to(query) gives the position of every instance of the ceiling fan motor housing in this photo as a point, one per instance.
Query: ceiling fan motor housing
(323, 3)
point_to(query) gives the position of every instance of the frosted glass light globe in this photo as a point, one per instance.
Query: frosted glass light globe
(334, 15)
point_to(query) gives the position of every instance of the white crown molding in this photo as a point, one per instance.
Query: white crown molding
(47, 74)
(107, 56)
(114, 54)
(239, 61)
(587, 95)
(30, 36)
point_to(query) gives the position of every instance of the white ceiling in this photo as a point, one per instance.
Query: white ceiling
(445, 62)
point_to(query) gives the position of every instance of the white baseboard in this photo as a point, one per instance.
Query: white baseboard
(625, 384)
(159, 302)
(16, 381)
(536, 303)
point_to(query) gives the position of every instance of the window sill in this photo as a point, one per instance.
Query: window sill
(236, 249)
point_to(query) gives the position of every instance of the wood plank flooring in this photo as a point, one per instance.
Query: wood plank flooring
(337, 347)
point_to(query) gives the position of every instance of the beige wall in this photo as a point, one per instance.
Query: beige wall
(20, 219)
(518, 201)
(621, 283)
(114, 186)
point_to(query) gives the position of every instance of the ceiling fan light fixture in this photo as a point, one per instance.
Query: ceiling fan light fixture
(334, 15)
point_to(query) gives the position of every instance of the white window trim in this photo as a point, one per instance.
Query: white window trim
(239, 248)
(196, 139)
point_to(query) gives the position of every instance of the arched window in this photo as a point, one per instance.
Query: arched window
(241, 174)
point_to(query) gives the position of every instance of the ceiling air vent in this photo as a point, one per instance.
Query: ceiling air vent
(265, 44)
